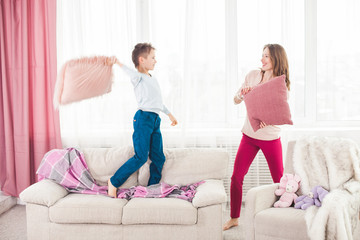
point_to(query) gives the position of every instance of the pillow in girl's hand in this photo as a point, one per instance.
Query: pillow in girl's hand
(267, 103)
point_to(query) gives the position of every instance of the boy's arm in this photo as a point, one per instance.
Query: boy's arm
(118, 62)
(134, 75)
(171, 117)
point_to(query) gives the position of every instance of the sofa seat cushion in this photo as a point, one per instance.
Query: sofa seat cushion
(159, 211)
(84, 208)
(291, 220)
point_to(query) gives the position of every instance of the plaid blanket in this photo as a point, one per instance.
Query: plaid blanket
(68, 168)
(160, 190)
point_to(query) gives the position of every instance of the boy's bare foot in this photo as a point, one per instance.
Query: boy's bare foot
(231, 223)
(111, 190)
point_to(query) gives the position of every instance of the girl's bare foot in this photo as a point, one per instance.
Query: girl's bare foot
(111, 190)
(231, 223)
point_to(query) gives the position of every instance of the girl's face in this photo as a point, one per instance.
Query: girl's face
(266, 61)
(149, 62)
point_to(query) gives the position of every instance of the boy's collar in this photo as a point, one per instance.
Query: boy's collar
(148, 74)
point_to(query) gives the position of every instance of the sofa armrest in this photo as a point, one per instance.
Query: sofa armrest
(45, 192)
(257, 199)
(261, 198)
(209, 193)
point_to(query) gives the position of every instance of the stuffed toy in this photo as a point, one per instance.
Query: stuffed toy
(289, 184)
(315, 197)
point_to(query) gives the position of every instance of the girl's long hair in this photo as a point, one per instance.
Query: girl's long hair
(279, 61)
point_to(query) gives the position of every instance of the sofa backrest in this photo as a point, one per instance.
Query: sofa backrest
(189, 165)
(323, 160)
(182, 166)
(289, 164)
(103, 163)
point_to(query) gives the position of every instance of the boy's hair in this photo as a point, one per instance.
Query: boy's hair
(141, 50)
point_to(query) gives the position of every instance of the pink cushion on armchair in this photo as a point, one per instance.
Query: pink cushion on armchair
(267, 102)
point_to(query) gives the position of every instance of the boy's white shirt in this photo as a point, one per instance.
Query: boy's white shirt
(147, 91)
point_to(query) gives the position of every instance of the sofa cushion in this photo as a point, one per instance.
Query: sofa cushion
(291, 220)
(186, 166)
(104, 162)
(84, 208)
(211, 192)
(46, 192)
(159, 211)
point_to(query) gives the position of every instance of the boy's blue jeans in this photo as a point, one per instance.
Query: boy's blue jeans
(147, 141)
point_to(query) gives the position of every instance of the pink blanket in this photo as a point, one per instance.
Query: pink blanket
(68, 168)
(83, 78)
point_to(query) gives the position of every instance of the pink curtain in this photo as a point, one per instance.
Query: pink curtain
(29, 125)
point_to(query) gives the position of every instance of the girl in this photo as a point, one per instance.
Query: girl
(267, 138)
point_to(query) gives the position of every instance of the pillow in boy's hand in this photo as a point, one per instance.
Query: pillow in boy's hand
(83, 78)
(267, 103)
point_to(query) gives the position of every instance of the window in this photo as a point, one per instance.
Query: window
(338, 64)
(190, 39)
(204, 50)
(262, 22)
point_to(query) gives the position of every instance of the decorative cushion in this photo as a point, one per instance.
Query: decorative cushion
(210, 193)
(267, 102)
(45, 192)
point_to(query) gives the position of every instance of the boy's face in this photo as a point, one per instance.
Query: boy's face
(148, 62)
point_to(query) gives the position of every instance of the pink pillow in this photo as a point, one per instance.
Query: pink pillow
(83, 78)
(267, 102)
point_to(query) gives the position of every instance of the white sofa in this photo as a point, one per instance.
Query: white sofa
(264, 222)
(54, 213)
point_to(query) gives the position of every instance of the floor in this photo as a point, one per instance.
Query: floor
(13, 224)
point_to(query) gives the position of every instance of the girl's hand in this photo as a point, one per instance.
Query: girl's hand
(262, 125)
(238, 98)
(245, 90)
(240, 95)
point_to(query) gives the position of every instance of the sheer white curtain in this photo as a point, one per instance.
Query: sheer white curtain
(89, 28)
(338, 85)
(198, 58)
(190, 43)
(261, 22)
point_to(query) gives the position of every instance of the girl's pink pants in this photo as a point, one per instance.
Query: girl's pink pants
(247, 151)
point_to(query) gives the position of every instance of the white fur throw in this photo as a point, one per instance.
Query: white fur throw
(333, 163)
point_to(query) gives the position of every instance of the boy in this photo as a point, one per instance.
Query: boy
(147, 139)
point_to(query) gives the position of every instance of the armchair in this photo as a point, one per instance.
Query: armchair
(333, 163)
